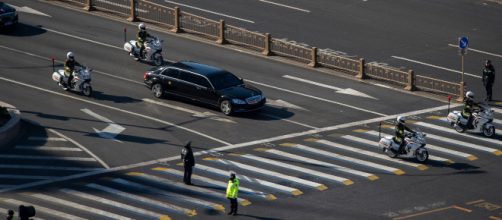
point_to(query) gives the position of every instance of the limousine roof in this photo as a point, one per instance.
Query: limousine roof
(199, 68)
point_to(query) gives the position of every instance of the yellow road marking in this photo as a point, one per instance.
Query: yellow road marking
(322, 187)
(245, 202)
(360, 130)
(210, 158)
(160, 168)
(348, 182)
(494, 218)
(472, 157)
(261, 149)
(311, 139)
(296, 192)
(134, 174)
(432, 211)
(474, 202)
(373, 177)
(270, 197)
(287, 144)
(399, 172)
(165, 217)
(498, 153)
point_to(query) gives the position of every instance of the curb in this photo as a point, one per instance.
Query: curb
(9, 131)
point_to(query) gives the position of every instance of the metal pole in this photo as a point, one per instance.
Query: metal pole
(462, 67)
(53, 67)
(125, 33)
(449, 99)
(379, 130)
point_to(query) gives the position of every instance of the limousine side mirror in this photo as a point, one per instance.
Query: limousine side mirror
(242, 80)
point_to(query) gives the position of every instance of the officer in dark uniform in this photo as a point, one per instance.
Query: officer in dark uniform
(188, 162)
(488, 79)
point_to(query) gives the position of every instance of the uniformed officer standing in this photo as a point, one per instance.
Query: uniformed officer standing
(188, 162)
(232, 191)
(488, 79)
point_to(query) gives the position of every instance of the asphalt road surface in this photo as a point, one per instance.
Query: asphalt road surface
(310, 153)
(417, 35)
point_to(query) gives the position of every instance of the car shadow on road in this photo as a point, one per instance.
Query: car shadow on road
(267, 113)
(114, 98)
(23, 30)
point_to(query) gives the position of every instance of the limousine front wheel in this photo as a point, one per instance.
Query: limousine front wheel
(157, 90)
(226, 107)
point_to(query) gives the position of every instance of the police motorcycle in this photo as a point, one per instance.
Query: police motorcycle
(414, 146)
(152, 52)
(481, 123)
(81, 81)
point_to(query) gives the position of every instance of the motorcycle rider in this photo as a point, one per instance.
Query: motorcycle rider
(469, 105)
(69, 67)
(399, 133)
(142, 36)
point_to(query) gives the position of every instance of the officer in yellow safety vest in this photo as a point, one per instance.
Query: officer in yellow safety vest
(232, 190)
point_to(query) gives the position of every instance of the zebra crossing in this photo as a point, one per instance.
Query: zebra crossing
(282, 170)
(44, 154)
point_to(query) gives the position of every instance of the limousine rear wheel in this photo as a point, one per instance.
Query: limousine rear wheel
(226, 107)
(157, 90)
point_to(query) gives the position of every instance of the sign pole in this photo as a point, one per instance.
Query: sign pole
(463, 44)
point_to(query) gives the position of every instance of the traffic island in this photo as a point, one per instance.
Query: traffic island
(10, 118)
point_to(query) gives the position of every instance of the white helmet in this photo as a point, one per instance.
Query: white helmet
(70, 55)
(401, 119)
(142, 26)
(469, 94)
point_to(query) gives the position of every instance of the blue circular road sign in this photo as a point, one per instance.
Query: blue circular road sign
(463, 42)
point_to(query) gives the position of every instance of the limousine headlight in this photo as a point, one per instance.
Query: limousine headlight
(238, 101)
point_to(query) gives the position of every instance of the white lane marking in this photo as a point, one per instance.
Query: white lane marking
(346, 158)
(168, 195)
(382, 85)
(46, 139)
(283, 104)
(36, 167)
(367, 153)
(194, 113)
(29, 157)
(220, 184)
(286, 6)
(45, 210)
(274, 174)
(111, 131)
(46, 148)
(224, 173)
(78, 206)
(436, 148)
(497, 121)
(347, 91)
(81, 147)
(374, 144)
(81, 38)
(316, 98)
(114, 204)
(435, 66)
(25, 177)
(451, 131)
(322, 164)
(144, 200)
(479, 51)
(287, 120)
(230, 147)
(342, 180)
(29, 10)
(121, 6)
(211, 12)
(116, 109)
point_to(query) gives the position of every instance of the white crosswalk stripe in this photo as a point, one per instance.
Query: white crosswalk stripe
(498, 110)
(497, 121)
(220, 184)
(174, 196)
(29, 157)
(141, 199)
(374, 144)
(46, 148)
(299, 169)
(462, 143)
(365, 152)
(115, 204)
(289, 178)
(451, 131)
(437, 148)
(78, 206)
(46, 139)
(36, 167)
(344, 158)
(252, 180)
(42, 209)
(320, 163)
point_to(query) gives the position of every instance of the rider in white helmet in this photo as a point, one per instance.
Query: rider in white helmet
(469, 105)
(142, 35)
(69, 67)
(399, 133)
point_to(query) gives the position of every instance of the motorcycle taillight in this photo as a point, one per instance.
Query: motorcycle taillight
(144, 76)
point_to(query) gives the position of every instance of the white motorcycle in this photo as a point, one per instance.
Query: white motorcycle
(481, 123)
(414, 147)
(151, 53)
(81, 81)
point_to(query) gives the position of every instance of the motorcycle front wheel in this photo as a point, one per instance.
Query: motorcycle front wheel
(422, 155)
(87, 89)
(489, 131)
(459, 128)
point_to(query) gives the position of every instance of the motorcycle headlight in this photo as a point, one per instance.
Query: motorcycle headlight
(238, 101)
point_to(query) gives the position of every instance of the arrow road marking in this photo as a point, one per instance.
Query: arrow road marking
(111, 131)
(194, 113)
(29, 10)
(347, 91)
(284, 104)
